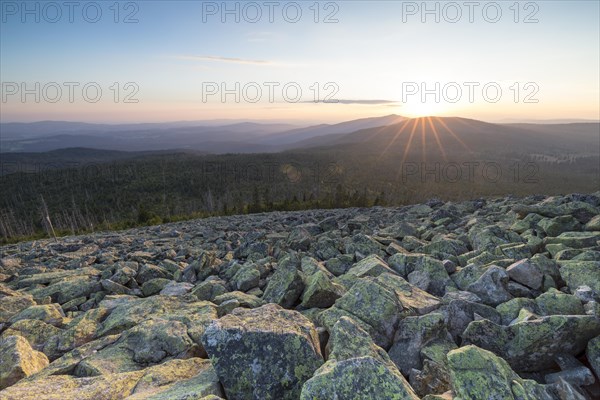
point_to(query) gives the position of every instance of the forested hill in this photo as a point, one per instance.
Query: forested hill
(167, 187)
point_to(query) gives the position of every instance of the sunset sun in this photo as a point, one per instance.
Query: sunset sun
(417, 109)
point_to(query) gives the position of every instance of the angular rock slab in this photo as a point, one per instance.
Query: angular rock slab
(18, 360)
(579, 273)
(265, 353)
(532, 345)
(285, 286)
(411, 337)
(379, 303)
(593, 355)
(478, 374)
(362, 378)
(144, 384)
(145, 344)
(356, 369)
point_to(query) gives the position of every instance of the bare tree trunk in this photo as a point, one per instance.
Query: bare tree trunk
(46, 217)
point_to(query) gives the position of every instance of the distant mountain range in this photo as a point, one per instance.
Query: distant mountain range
(433, 137)
(446, 135)
(241, 137)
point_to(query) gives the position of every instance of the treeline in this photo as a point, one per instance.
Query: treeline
(167, 188)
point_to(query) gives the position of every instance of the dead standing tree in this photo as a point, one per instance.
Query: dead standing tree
(46, 219)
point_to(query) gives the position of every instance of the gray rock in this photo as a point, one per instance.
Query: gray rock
(320, 292)
(412, 335)
(491, 287)
(267, 352)
(526, 273)
(285, 286)
(533, 344)
(176, 289)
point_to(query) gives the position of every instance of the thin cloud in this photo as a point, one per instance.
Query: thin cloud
(233, 60)
(359, 101)
(259, 36)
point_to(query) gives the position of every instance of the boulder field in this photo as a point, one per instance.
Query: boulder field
(490, 299)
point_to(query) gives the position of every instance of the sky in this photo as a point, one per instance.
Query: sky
(150, 61)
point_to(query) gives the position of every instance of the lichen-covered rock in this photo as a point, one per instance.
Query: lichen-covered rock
(150, 381)
(491, 287)
(148, 343)
(576, 240)
(243, 299)
(445, 245)
(412, 336)
(362, 378)
(340, 264)
(113, 287)
(510, 310)
(365, 280)
(326, 248)
(204, 385)
(133, 311)
(203, 265)
(148, 272)
(67, 363)
(176, 288)
(593, 224)
(533, 343)
(553, 207)
(49, 313)
(29, 279)
(370, 266)
(555, 302)
(154, 286)
(380, 302)
(356, 369)
(18, 360)
(13, 304)
(209, 289)
(579, 273)
(438, 279)
(362, 245)
(285, 286)
(265, 353)
(398, 230)
(593, 355)
(37, 332)
(246, 278)
(299, 239)
(488, 237)
(68, 289)
(466, 276)
(80, 330)
(557, 225)
(320, 292)
(478, 374)
(309, 266)
(434, 376)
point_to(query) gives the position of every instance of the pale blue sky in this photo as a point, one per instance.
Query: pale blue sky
(370, 54)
